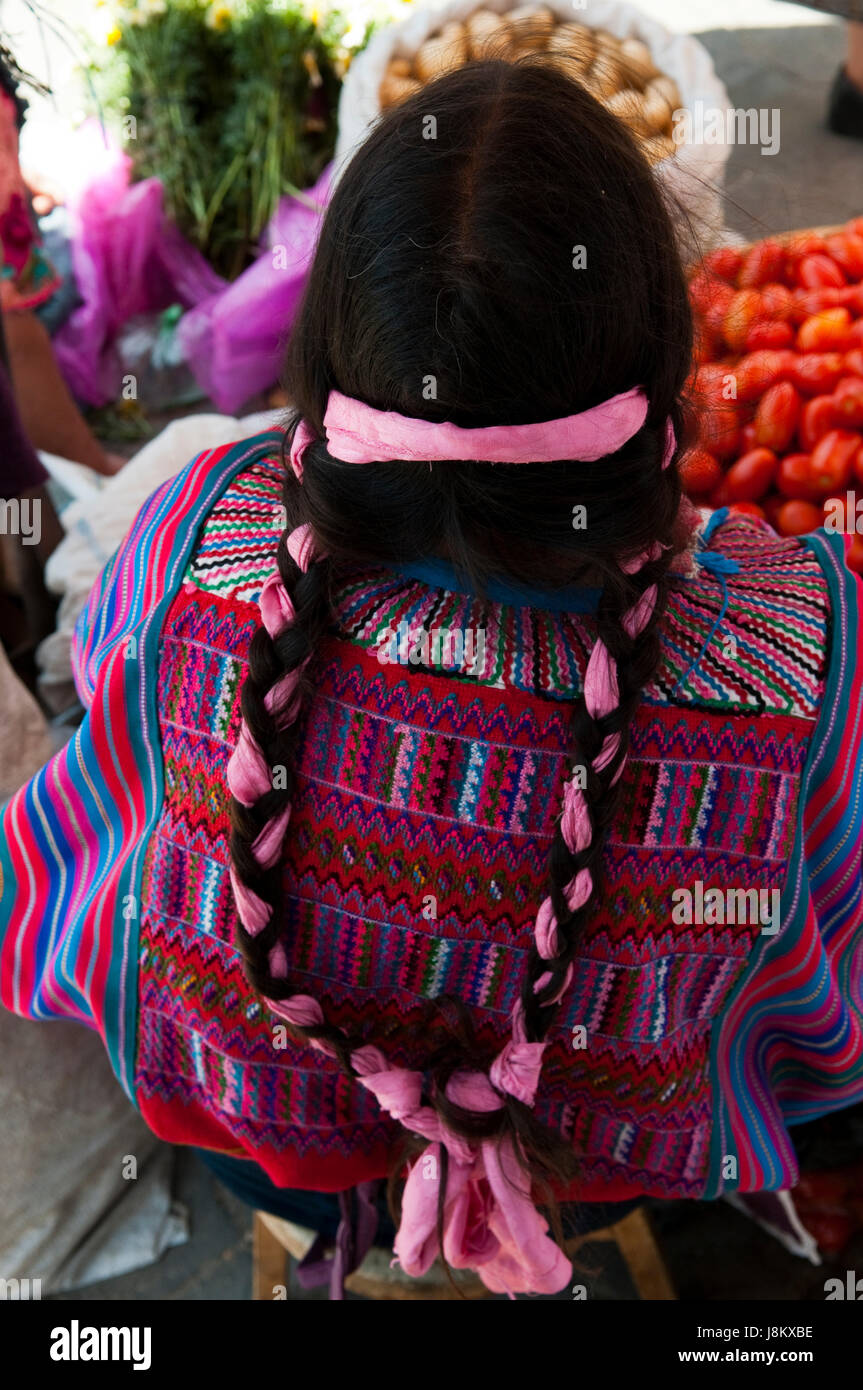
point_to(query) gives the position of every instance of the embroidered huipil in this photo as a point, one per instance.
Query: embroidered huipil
(416, 857)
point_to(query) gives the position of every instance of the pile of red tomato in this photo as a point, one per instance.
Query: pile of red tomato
(830, 1205)
(777, 387)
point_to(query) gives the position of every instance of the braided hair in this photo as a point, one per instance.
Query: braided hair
(449, 261)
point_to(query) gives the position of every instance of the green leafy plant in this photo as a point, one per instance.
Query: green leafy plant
(232, 106)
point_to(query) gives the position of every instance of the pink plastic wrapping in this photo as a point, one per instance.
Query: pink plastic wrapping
(128, 259)
(234, 339)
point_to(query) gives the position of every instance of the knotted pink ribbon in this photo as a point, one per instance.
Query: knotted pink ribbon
(358, 433)
(490, 1222)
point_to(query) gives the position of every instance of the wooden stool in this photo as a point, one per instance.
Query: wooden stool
(275, 1239)
(634, 1238)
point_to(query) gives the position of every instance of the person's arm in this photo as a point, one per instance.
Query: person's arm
(31, 529)
(20, 467)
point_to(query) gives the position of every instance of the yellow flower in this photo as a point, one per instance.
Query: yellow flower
(114, 35)
(219, 16)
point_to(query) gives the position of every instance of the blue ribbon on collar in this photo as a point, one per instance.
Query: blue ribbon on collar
(720, 566)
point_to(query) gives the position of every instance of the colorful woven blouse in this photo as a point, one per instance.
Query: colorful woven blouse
(691, 1040)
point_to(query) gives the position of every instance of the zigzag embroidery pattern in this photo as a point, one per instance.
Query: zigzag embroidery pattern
(414, 782)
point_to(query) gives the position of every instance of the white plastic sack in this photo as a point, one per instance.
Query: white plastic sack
(69, 1213)
(693, 175)
(97, 523)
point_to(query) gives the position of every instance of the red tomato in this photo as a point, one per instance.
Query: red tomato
(825, 331)
(778, 301)
(719, 496)
(846, 249)
(769, 335)
(724, 262)
(855, 332)
(830, 1231)
(719, 429)
(707, 383)
(772, 505)
(817, 373)
(744, 309)
(704, 343)
(822, 1189)
(855, 226)
(794, 518)
(852, 298)
(833, 460)
(758, 370)
(748, 509)
(848, 401)
(805, 244)
(858, 465)
(763, 263)
(808, 302)
(751, 476)
(717, 307)
(702, 288)
(817, 418)
(794, 479)
(699, 471)
(747, 437)
(777, 416)
(817, 272)
(854, 361)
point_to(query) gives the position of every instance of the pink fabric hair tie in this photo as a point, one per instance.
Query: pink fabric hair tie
(516, 1069)
(303, 437)
(357, 433)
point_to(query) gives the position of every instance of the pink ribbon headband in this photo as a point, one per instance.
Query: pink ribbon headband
(357, 433)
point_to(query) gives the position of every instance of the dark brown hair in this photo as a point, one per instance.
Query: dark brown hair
(451, 260)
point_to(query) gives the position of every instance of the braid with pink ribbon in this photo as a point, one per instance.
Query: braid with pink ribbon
(509, 1245)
